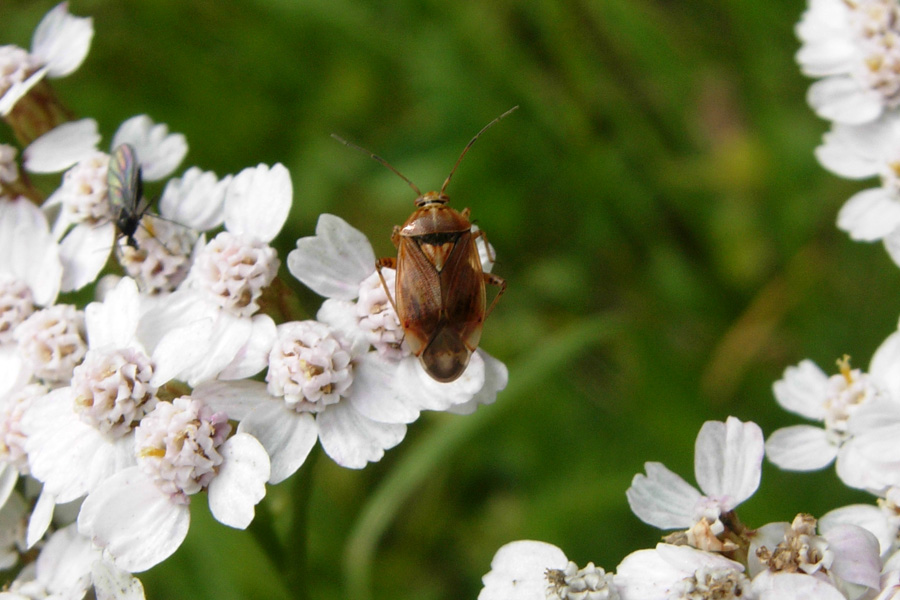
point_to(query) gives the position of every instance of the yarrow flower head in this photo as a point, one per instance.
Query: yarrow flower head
(321, 385)
(727, 464)
(860, 411)
(791, 557)
(60, 44)
(229, 274)
(529, 570)
(855, 47)
(182, 447)
(670, 572)
(86, 224)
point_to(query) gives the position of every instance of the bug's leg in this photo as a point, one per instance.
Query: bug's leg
(487, 247)
(390, 263)
(491, 279)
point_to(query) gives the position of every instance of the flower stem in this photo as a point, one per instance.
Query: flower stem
(433, 450)
(295, 551)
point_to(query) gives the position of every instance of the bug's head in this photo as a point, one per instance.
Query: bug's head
(429, 198)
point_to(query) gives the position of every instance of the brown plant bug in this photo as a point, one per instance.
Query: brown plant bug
(440, 295)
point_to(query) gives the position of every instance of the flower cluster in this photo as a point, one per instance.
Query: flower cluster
(851, 552)
(186, 375)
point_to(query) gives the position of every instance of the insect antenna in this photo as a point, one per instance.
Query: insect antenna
(379, 159)
(469, 145)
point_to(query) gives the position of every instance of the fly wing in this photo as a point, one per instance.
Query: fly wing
(124, 179)
(418, 295)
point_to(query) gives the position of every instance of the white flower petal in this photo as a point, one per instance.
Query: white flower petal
(253, 356)
(17, 90)
(857, 151)
(333, 262)
(112, 583)
(842, 99)
(870, 215)
(8, 478)
(228, 336)
(884, 368)
(803, 390)
(496, 376)
(28, 250)
(41, 516)
(728, 460)
(661, 498)
(181, 349)
(856, 555)
(133, 521)
(341, 316)
(114, 321)
(352, 440)
(831, 57)
(158, 151)
(235, 398)
(869, 517)
(61, 41)
(84, 252)
(61, 449)
(195, 200)
(417, 387)
(287, 436)
(241, 481)
(64, 564)
(62, 147)
(800, 448)
(651, 574)
(373, 391)
(258, 201)
(793, 586)
(518, 571)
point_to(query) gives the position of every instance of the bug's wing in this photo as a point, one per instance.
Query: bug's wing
(462, 288)
(124, 178)
(418, 295)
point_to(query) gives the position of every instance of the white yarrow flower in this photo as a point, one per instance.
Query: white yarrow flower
(60, 44)
(529, 570)
(86, 223)
(855, 48)
(727, 465)
(182, 448)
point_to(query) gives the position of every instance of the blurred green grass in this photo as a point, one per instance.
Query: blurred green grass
(659, 172)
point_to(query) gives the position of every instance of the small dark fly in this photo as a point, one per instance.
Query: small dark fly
(126, 191)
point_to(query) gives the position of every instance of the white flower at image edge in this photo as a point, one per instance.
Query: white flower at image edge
(530, 570)
(852, 46)
(140, 516)
(58, 47)
(861, 416)
(66, 567)
(226, 281)
(727, 465)
(85, 224)
(669, 571)
(862, 152)
(28, 253)
(339, 263)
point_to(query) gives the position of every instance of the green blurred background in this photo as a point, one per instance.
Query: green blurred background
(667, 236)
